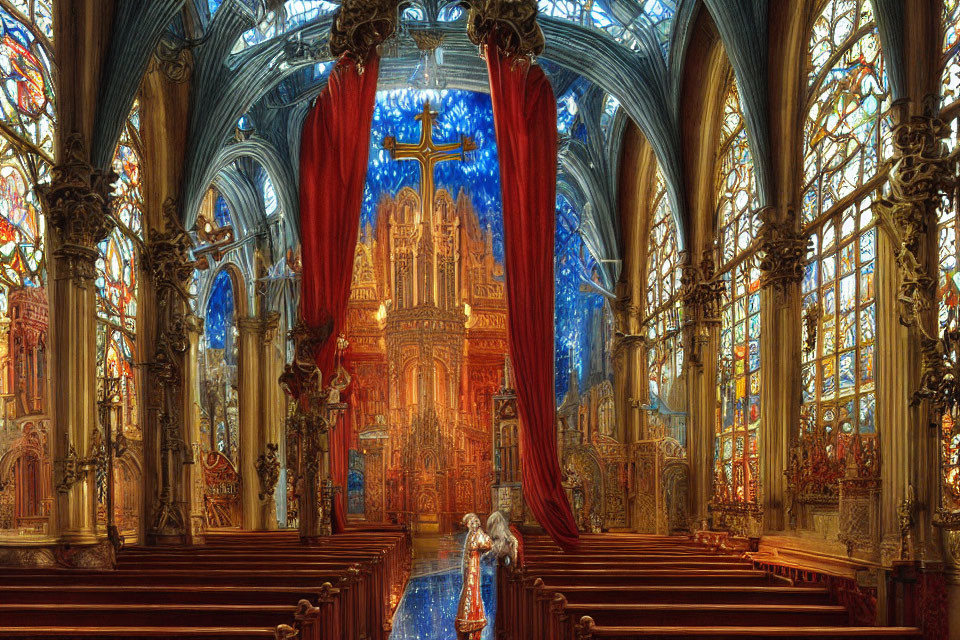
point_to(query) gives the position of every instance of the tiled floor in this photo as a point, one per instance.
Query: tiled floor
(429, 604)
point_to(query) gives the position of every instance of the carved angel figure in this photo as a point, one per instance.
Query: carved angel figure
(471, 617)
(503, 542)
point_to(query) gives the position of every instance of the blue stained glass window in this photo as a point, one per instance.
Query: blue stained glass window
(219, 318)
(292, 15)
(221, 212)
(575, 301)
(618, 20)
(460, 113)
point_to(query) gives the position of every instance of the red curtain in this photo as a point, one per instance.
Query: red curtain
(333, 170)
(525, 117)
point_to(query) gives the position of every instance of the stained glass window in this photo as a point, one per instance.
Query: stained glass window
(950, 78)
(117, 270)
(219, 360)
(622, 23)
(737, 209)
(844, 130)
(221, 212)
(739, 379)
(736, 452)
(290, 15)
(664, 317)
(947, 247)
(844, 137)
(838, 374)
(580, 310)
(27, 125)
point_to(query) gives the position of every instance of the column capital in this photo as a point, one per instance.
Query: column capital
(514, 21)
(78, 202)
(700, 288)
(783, 248)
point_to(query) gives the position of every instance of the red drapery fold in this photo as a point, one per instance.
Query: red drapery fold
(333, 169)
(525, 117)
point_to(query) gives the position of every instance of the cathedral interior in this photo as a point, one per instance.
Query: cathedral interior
(479, 319)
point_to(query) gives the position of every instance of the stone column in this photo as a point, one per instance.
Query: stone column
(169, 433)
(249, 393)
(701, 294)
(77, 205)
(193, 468)
(270, 413)
(921, 173)
(784, 251)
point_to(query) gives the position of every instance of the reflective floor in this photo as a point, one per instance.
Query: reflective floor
(429, 605)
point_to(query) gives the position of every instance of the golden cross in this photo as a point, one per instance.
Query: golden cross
(428, 154)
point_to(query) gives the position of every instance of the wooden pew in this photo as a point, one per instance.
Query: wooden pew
(588, 630)
(240, 586)
(627, 587)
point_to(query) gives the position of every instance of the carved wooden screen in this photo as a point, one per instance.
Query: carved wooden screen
(117, 274)
(844, 136)
(27, 128)
(663, 321)
(947, 246)
(736, 448)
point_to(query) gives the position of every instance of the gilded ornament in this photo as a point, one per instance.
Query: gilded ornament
(268, 470)
(360, 26)
(513, 24)
(70, 473)
(167, 258)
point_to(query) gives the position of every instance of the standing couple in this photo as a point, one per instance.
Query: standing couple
(501, 543)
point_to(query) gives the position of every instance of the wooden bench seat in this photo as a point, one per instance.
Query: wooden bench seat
(134, 633)
(696, 615)
(592, 632)
(176, 578)
(690, 594)
(151, 594)
(152, 615)
(615, 577)
(639, 563)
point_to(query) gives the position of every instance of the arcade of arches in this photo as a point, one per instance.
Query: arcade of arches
(756, 282)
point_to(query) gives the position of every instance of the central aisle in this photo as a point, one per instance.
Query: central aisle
(429, 604)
